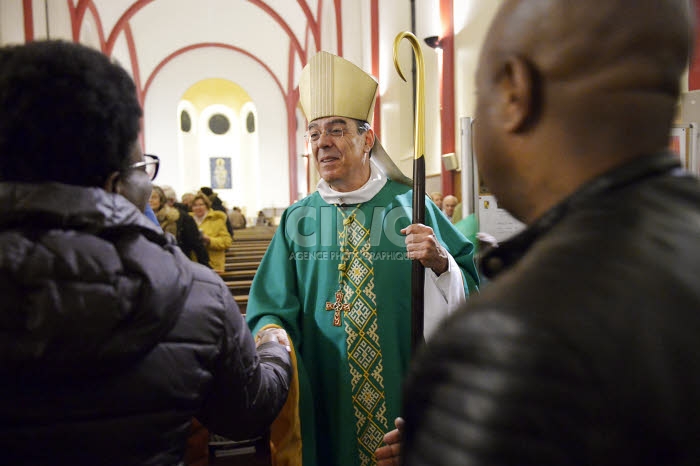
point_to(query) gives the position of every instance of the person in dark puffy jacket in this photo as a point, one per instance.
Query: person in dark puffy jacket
(112, 340)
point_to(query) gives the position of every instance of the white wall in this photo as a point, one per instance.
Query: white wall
(250, 148)
(187, 152)
(428, 24)
(396, 101)
(472, 20)
(161, 125)
(11, 22)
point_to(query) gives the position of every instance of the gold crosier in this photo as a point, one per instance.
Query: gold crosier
(417, 269)
(339, 305)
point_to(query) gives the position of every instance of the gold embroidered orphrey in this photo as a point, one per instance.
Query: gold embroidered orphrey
(339, 305)
(365, 361)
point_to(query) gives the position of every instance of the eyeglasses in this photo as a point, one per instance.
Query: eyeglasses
(314, 135)
(150, 165)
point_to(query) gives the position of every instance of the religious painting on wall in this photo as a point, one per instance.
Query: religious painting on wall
(220, 169)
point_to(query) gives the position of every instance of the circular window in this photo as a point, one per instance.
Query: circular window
(250, 122)
(185, 122)
(219, 124)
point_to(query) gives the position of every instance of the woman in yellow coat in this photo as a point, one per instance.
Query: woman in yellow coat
(212, 225)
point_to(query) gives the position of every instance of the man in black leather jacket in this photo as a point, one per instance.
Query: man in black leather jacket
(584, 348)
(112, 340)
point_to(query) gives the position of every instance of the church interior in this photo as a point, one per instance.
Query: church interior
(218, 82)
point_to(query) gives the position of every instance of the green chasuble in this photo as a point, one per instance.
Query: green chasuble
(350, 327)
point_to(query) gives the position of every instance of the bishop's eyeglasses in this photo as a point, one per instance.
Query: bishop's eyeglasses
(315, 134)
(149, 165)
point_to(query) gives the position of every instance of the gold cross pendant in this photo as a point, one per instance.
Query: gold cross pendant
(337, 306)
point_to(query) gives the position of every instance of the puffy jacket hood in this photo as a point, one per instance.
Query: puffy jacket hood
(87, 281)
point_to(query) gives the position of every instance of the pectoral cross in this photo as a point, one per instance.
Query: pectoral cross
(337, 306)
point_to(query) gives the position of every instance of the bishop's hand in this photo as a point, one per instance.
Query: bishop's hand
(275, 334)
(423, 245)
(390, 453)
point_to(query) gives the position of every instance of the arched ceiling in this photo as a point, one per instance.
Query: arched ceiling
(146, 36)
(278, 34)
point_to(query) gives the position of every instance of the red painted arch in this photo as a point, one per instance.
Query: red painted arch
(98, 23)
(291, 96)
(71, 12)
(28, 13)
(374, 26)
(189, 48)
(283, 24)
(122, 23)
(447, 92)
(129, 36)
(291, 103)
(694, 69)
(338, 26)
(136, 73)
(311, 24)
(77, 14)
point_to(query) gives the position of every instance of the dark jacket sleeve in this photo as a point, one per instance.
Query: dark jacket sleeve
(190, 240)
(492, 390)
(250, 386)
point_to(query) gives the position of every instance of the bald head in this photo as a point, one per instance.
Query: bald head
(607, 43)
(449, 203)
(568, 89)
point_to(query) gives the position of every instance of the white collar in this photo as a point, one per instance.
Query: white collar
(377, 180)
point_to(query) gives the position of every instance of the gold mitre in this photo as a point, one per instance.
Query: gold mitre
(332, 86)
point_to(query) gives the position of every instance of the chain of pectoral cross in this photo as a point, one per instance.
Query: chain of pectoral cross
(339, 305)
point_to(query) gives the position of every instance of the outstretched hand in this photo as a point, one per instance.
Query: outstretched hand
(390, 454)
(275, 334)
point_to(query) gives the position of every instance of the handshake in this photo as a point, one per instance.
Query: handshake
(276, 334)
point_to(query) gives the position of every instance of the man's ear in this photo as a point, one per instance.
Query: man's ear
(369, 140)
(520, 96)
(113, 183)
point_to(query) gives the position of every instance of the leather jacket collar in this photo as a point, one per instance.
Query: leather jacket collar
(496, 260)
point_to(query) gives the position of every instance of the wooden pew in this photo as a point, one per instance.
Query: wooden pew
(237, 258)
(242, 265)
(241, 274)
(243, 259)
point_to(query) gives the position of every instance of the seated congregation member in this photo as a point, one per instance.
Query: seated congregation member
(112, 340)
(237, 219)
(179, 224)
(583, 349)
(261, 220)
(212, 226)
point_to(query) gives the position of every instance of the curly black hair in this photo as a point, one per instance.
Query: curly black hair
(67, 114)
